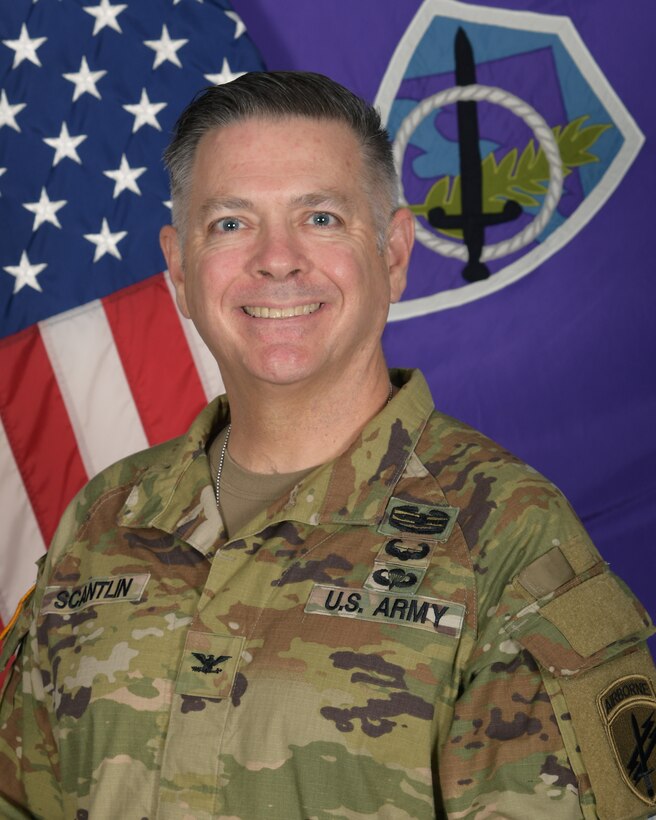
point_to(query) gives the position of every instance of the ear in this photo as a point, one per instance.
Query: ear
(170, 244)
(400, 239)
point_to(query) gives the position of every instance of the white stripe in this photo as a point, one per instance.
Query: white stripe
(22, 543)
(208, 369)
(95, 390)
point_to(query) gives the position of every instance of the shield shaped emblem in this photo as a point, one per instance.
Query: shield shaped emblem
(628, 711)
(508, 139)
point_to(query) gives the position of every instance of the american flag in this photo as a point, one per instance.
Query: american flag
(95, 361)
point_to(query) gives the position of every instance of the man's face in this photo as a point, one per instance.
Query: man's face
(282, 273)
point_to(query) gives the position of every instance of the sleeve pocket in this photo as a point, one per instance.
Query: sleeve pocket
(587, 624)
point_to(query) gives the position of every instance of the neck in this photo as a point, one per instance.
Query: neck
(285, 428)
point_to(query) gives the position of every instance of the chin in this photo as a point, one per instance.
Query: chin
(284, 376)
(283, 369)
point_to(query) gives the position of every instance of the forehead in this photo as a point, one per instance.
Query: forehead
(287, 149)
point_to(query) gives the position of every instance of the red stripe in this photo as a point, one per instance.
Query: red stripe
(38, 428)
(156, 358)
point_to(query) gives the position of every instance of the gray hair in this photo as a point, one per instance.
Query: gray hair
(277, 95)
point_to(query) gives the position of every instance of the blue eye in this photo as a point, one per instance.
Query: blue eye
(230, 223)
(322, 219)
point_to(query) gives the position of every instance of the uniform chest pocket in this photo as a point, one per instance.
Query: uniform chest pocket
(87, 653)
(378, 663)
(105, 650)
(384, 641)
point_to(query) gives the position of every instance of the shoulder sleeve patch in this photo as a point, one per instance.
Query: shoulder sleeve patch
(627, 709)
(614, 724)
(588, 639)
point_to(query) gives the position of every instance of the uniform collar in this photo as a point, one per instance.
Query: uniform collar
(175, 493)
(356, 486)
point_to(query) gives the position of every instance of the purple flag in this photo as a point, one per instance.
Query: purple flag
(553, 354)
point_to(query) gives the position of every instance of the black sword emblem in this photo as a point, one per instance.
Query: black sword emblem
(639, 763)
(472, 220)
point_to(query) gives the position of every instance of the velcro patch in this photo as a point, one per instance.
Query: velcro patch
(628, 710)
(432, 614)
(546, 574)
(114, 590)
(420, 519)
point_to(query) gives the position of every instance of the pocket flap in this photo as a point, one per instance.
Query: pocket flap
(586, 625)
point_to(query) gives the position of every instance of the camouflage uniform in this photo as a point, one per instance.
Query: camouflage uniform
(420, 628)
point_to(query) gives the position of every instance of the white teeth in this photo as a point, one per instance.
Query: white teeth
(281, 313)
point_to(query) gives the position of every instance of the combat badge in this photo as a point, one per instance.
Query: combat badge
(408, 517)
(628, 710)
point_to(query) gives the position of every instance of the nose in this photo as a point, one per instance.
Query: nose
(278, 253)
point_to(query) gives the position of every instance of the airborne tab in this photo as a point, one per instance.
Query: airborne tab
(628, 710)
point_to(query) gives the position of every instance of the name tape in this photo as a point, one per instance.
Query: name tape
(431, 614)
(95, 591)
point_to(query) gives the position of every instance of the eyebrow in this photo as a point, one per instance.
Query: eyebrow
(321, 198)
(227, 203)
(314, 199)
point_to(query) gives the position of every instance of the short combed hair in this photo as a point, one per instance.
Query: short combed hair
(278, 95)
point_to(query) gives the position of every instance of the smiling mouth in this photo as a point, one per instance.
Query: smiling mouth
(281, 313)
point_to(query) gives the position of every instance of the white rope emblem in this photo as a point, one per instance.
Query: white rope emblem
(544, 136)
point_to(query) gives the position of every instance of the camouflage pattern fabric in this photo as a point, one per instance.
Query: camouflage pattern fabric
(420, 629)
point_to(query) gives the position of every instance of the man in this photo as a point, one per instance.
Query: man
(326, 600)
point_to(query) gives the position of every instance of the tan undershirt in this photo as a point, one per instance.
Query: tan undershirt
(244, 494)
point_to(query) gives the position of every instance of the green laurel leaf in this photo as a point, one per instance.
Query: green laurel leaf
(523, 177)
